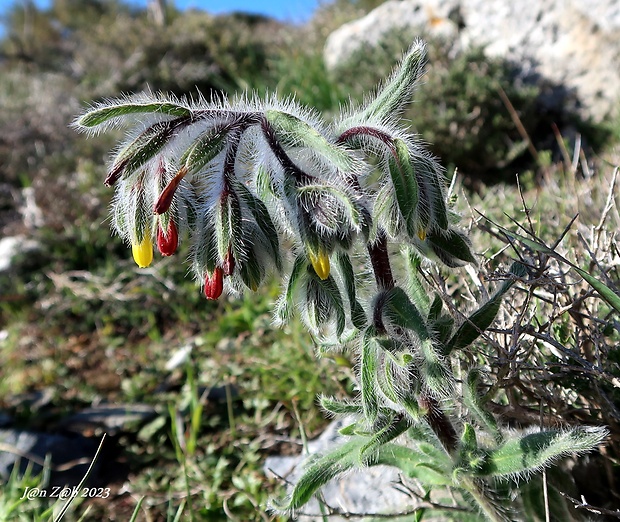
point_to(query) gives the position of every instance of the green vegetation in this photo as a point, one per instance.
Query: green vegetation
(82, 324)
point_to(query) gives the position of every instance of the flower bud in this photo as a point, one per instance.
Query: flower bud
(167, 242)
(214, 284)
(229, 263)
(165, 198)
(143, 252)
(320, 263)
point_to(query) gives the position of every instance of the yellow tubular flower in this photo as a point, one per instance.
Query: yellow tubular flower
(320, 263)
(143, 252)
(422, 234)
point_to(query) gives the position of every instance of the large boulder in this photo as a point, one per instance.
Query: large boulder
(571, 43)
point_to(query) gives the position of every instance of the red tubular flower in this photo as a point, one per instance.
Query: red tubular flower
(167, 243)
(214, 283)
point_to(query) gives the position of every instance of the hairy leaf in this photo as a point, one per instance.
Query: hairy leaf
(393, 428)
(400, 311)
(482, 318)
(340, 407)
(102, 114)
(324, 301)
(358, 316)
(472, 400)
(396, 93)
(435, 370)
(368, 373)
(205, 148)
(135, 154)
(451, 247)
(294, 132)
(414, 464)
(321, 470)
(532, 452)
(263, 220)
(405, 185)
(285, 306)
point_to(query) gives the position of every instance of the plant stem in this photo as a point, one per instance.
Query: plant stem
(436, 418)
(438, 421)
(485, 505)
(381, 262)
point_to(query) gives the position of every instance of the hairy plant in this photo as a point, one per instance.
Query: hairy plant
(248, 181)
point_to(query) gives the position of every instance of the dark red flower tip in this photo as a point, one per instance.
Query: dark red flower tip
(165, 198)
(167, 243)
(115, 173)
(214, 284)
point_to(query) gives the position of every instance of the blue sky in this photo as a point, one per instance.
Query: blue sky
(287, 10)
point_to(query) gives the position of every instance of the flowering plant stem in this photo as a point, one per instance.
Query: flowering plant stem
(237, 180)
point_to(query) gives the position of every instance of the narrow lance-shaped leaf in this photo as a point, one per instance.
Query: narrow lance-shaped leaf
(323, 301)
(434, 311)
(263, 220)
(400, 311)
(385, 381)
(474, 325)
(415, 287)
(205, 258)
(358, 316)
(435, 371)
(431, 180)
(368, 372)
(251, 271)
(393, 428)
(387, 212)
(343, 200)
(320, 471)
(482, 318)
(405, 185)
(223, 224)
(604, 291)
(414, 464)
(396, 93)
(100, 115)
(537, 450)
(472, 400)
(469, 440)
(205, 147)
(142, 149)
(285, 305)
(294, 132)
(451, 247)
(340, 407)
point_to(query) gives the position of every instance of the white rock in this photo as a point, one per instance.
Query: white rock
(432, 15)
(13, 245)
(574, 43)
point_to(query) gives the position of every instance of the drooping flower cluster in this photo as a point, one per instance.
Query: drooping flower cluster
(244, 180)
(238, 178)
